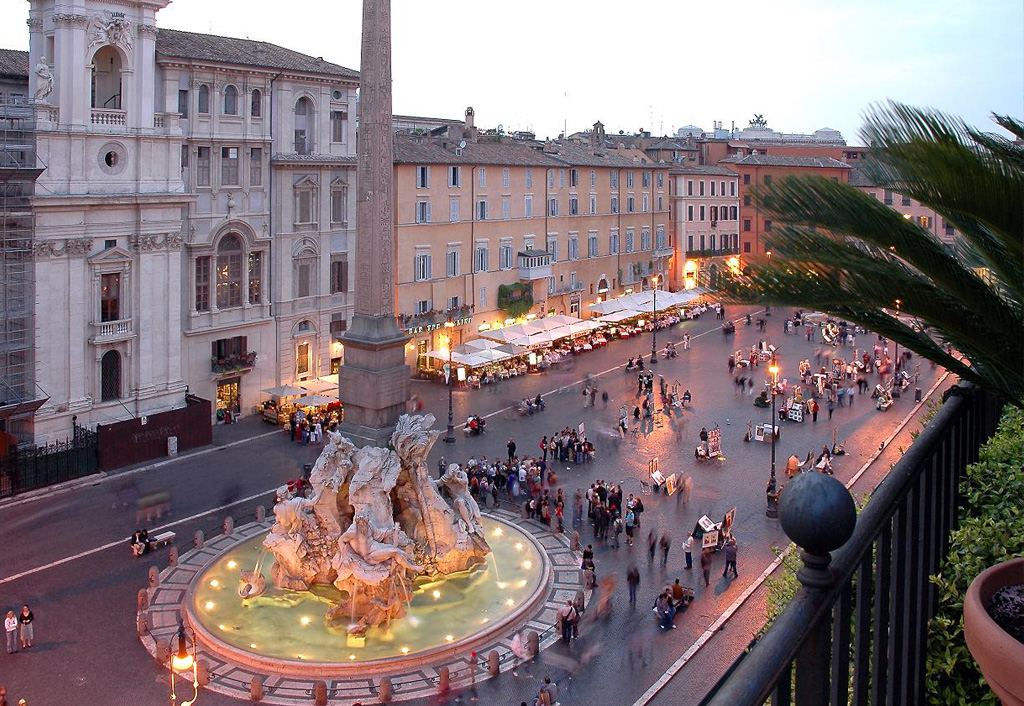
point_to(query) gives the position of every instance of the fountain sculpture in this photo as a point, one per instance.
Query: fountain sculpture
(374, 521)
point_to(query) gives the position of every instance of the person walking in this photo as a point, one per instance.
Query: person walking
(831, 408)
(511, 446)
(652, 544)
(730, 558)
(11, 628)
(665, 543)
(705, 566)
(25, 619)
(630, 521)
(567, 615)
(632, 580)
(688, 548)
(544, 448)
(814, 410)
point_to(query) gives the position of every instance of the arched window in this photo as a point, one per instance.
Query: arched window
(204, 99)
(303, 126)
(305, 273)
(257, 104)
(230, 100)
(106, 79)
(110, 376)
(229, 272)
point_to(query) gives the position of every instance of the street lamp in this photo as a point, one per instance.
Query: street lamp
(896, 350)
(182, 660)
(450, 436)
(654, 337)
(772, 508)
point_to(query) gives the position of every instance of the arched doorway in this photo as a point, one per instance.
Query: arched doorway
(303, 126)
(110, 376)
(106, 79)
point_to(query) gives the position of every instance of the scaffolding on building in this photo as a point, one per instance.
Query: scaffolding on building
(18, 172)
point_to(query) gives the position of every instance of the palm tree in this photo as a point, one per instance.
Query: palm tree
(845, 253)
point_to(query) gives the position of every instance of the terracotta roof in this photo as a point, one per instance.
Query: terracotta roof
(578, 154)
(14, 63)
(858, 177)
(413, 149)
(773, 160)
(707, 170)
(173, 43)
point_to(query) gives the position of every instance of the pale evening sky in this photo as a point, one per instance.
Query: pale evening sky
(538, 64)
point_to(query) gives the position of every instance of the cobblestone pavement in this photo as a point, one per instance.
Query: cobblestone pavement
(66, 554)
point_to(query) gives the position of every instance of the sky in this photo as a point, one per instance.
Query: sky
(543, 65)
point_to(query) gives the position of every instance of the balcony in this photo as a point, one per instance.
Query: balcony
(565, 288)
(534, 264)
(112, 331)
(664, 252)
(240, 362)
(109, 118)
(435, 319)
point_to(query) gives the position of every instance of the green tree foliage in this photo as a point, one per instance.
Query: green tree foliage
(515, 299)
(843, 252)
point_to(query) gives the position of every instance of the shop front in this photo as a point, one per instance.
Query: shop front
(229, 396)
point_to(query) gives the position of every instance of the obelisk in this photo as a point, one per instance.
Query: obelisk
(373, 383)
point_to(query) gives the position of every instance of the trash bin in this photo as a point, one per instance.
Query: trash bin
(917, 394)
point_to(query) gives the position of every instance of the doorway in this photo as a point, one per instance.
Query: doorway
(229, 396)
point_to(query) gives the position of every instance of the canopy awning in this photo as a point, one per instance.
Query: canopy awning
(314, 401)
(317, 386)
(618, 316)
(284, 391)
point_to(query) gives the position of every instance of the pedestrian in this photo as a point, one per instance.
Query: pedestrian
(11, 628)
(25, 619)
(688, 548)
(705, 566)
(519, 651)
(632, 580)
(604, 397)
(440, 467)
(567, 614)
(665, 543)
(730, 558)
(652, 544)
(630, 521)
(511, 446)
(544, 448)
(831, 408)
(814, 410)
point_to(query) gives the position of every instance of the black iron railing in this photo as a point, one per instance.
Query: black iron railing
(34, 467)
(861, 638)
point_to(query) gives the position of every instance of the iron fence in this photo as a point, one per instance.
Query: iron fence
(862, 638)
(35, 467)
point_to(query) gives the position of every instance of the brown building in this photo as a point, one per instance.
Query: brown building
(705, 222)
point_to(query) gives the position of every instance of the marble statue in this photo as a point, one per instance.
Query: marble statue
(44, 81)
(373, 522)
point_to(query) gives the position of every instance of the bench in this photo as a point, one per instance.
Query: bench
(161, 539)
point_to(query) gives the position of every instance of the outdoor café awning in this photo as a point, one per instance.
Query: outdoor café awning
(317, 386)
(314, 401)
(284, 391)
(618, 316)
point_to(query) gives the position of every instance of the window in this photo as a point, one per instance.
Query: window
(553, 247)
(305, 272)
(949, 228)
(204, 99)
(647, 179)
(660, 238)
(203, 166)
(767, 179)
(529, 178)
(454, 303)
(482, 177)
(746, 179)
(613, 243)
(746, 200)
(712, 188)
(110, 297)
(339, 202)
(703, 212)
(574, 177)
(615, 204)
(422, 306)
(421, 267)
(551, 285)
(230, 100)
(481, 258)
(183, 103)
(661, 202)
(255, 277)
(339, 118)
(528, 206)
(452, 263)
(553, 206)
(574, 206)
(630, 204)
(746, 225)
(110, 376)
(256, 104)
(305, 202)
(924, 221)
(229, 272)
(229, 166)
(713, 241)
(453, 211)
(661, 180)
(767, 226)
(630, 236)
(339, 274)
(203, 283)
(645, 239)
(551, 178)
(732, 188)
(689, 187)
(561, 178)
(256, 166)
(734, 213)
(110, 243)
(689, 213)
(700, 189)
(906, 200)
(504, 178)
(423, 212)
(574, 248)
(303, 126)
(422, 177)
(746, 247)
(721, 191)
(454, 177)
(644, 205)
(613, 179)
(629, 180)
(592, 245)
(702, 245)
(593, 179)
(593, 204)
(714, 214)
(482, 299)
(302, 358)
(481, 210)
(506, 207)
(505, 257)
(689, 243)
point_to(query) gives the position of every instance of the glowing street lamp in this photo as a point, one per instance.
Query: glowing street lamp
(896, 350)
(654, 336)
(182, 650)
(449, 437)
(772, 508)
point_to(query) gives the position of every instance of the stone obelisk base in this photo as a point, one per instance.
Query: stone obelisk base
(373, 384)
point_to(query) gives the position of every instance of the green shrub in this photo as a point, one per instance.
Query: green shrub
(515, 299)
(991, 531)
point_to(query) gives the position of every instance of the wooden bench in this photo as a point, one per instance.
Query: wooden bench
(161, 539)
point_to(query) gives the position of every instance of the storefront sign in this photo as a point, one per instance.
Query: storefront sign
(435, 326)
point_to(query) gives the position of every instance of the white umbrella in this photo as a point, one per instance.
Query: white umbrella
(314, 401)
(284, 391)
(509, 334)
(317, 385)
(609, 306)
(618, 316)
(333, 379)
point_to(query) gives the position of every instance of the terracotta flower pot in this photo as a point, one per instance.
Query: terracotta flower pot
(1000, 656)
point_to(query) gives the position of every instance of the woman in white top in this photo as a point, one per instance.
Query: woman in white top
(11, 627)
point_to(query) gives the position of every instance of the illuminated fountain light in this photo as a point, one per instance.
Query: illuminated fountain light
(519, 546)
(449, 638)
(436, 594)
(232, 564)
(497, 532)
(521, 583)
(405, 650)
(527, 564)
(351, 658)
(502, 585)
(208, 605)
(215, 584)
(509, 602)
(304, 620)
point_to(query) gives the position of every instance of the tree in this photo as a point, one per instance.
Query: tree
(845, 253)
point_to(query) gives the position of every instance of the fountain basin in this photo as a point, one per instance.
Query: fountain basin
(286, 631)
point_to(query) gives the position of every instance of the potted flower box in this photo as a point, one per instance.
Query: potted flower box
(999, 655)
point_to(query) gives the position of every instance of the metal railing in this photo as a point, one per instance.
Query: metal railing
(862, 638)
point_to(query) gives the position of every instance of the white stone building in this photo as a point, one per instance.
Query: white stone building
(192, 219)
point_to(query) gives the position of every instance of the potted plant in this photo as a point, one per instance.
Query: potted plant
(999, 654)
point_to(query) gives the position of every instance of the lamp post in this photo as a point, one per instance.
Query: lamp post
(183, 660)
(772, 508)
(896, 349)
(449, 437)
(654, 336)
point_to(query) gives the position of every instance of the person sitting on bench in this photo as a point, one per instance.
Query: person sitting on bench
(140, 542)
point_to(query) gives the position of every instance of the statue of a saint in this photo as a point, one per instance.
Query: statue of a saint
(362, 543)
(44, 81)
